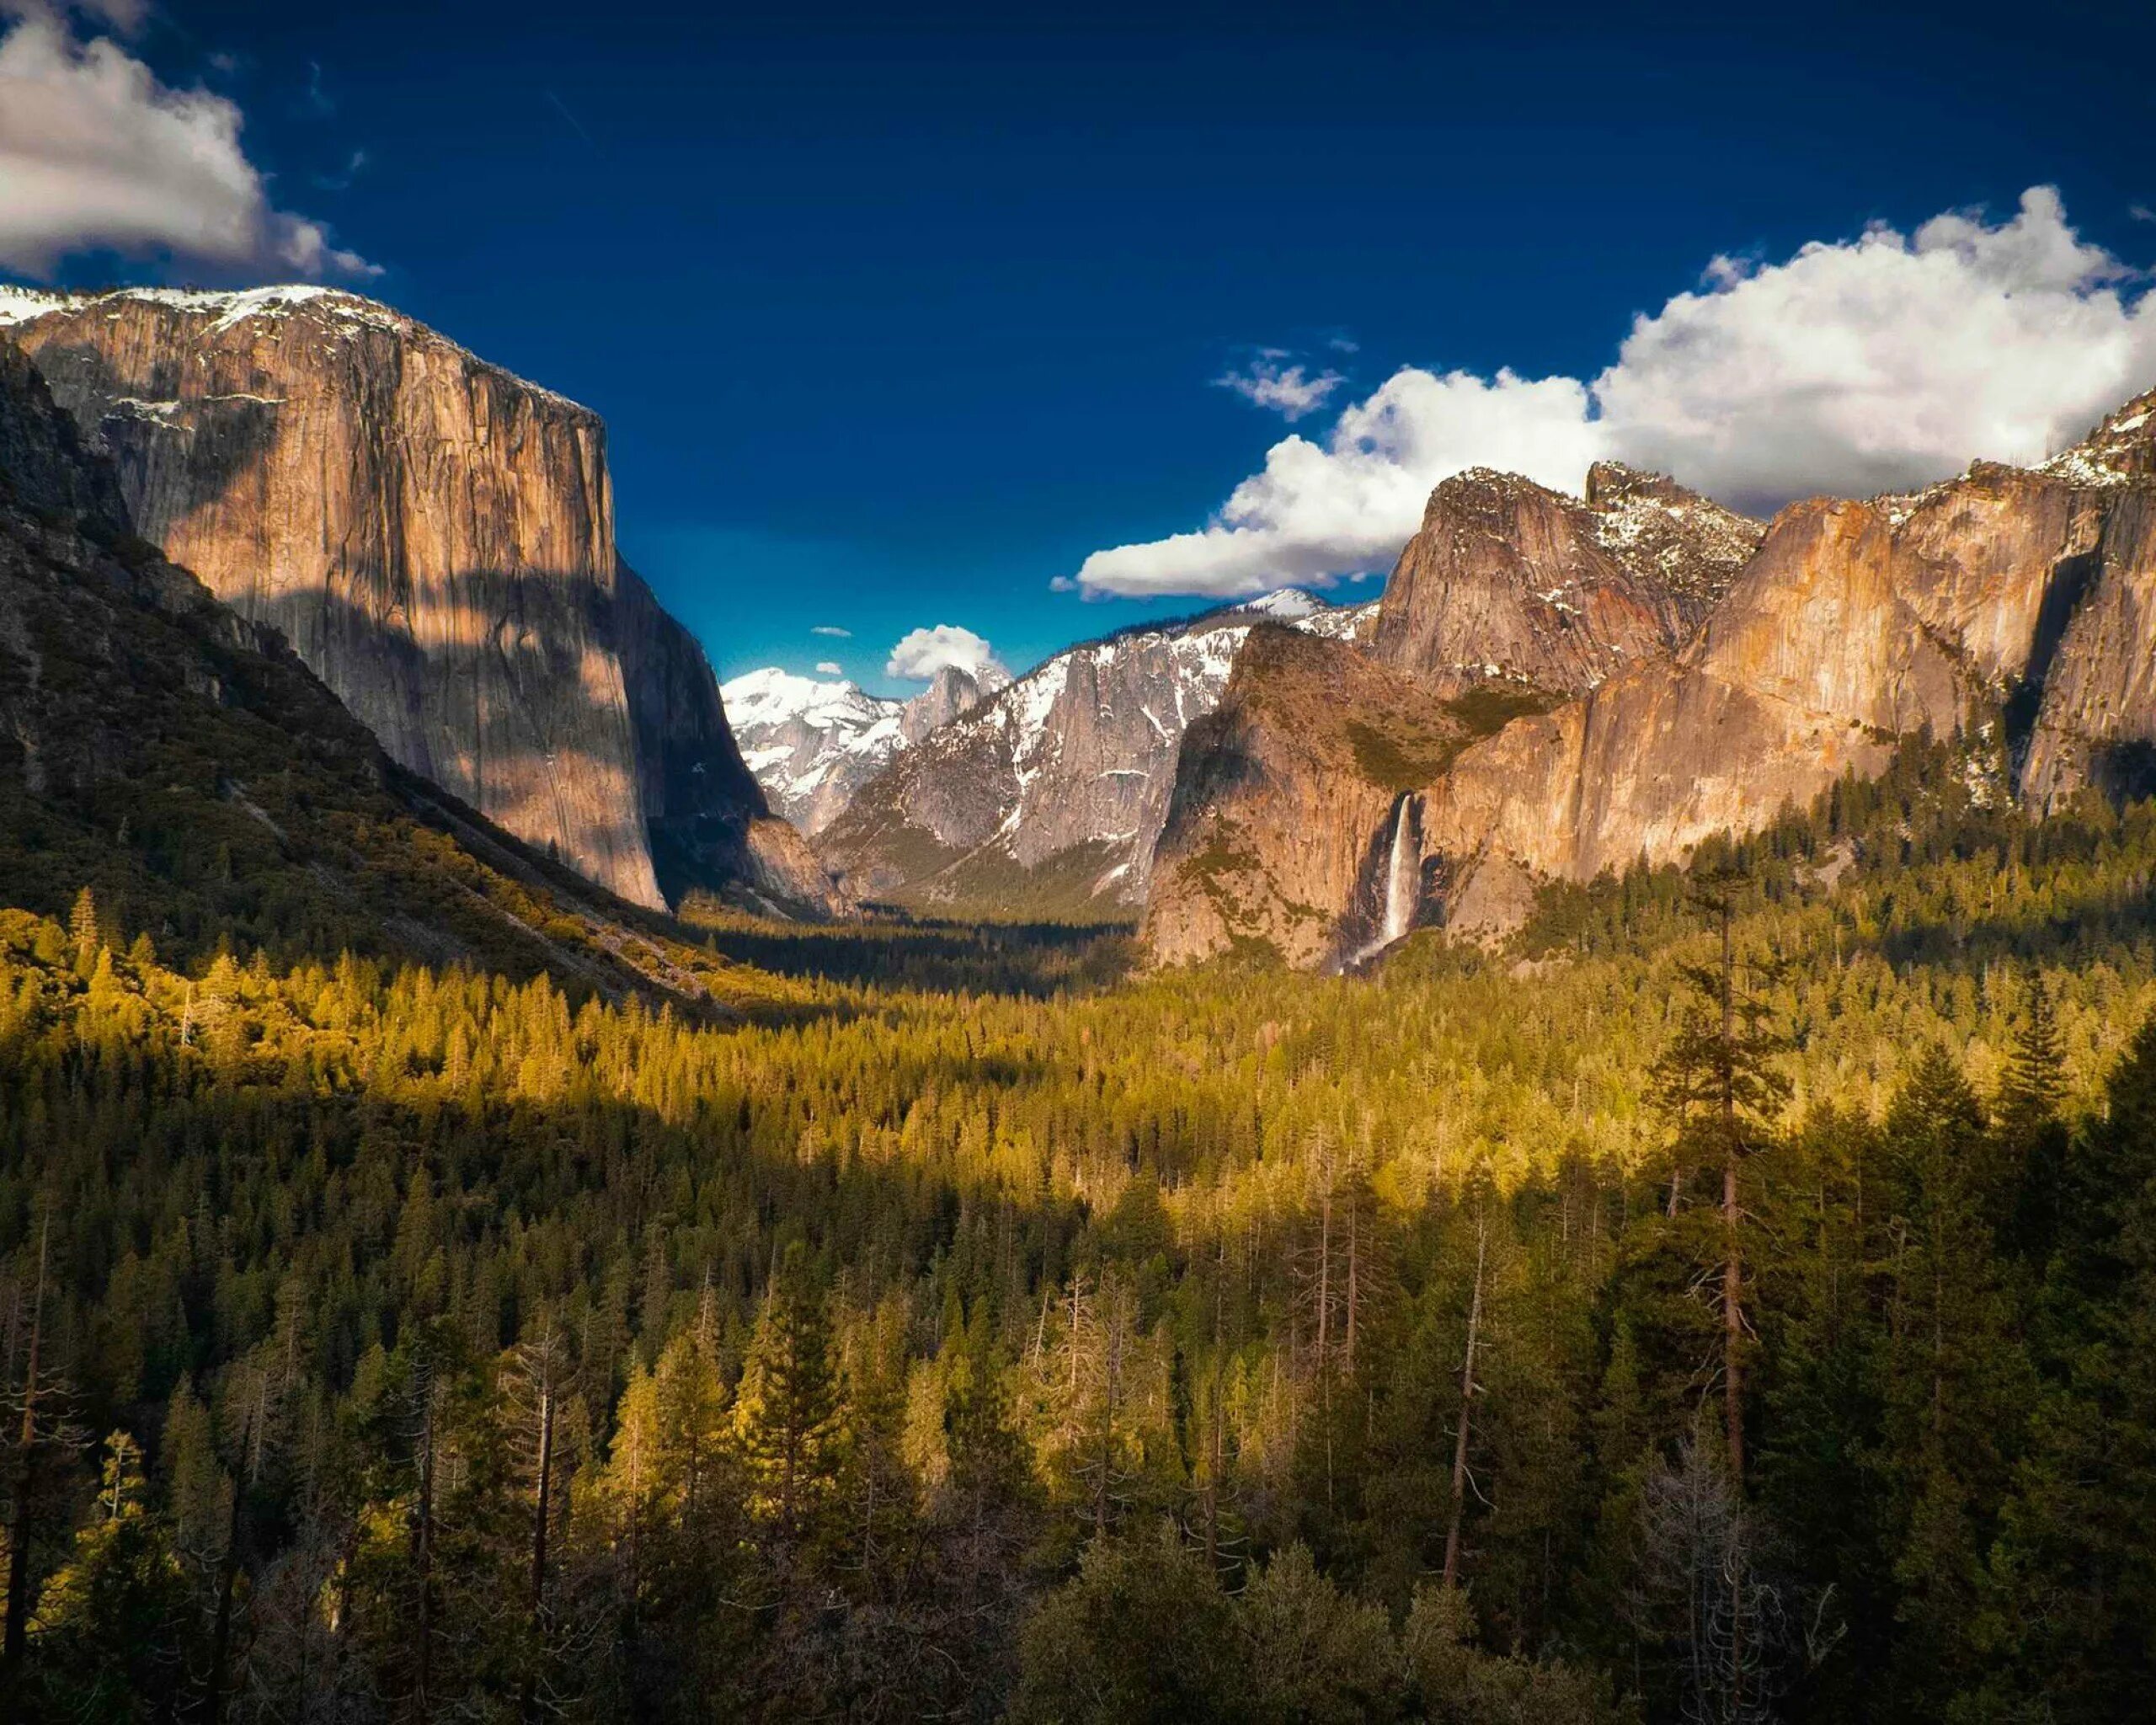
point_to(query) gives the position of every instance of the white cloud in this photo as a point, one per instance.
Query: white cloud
(832, 629)
(1873, 364)
(829, 668)
(1320, 510)
(925, 652)
(97, 154)
(1288, 390)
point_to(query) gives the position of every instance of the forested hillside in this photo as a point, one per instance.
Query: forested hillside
(987, 1328)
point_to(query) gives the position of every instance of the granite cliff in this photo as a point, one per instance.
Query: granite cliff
(1510, 581)
(2026, 598)
(181, 762)
(435, 537)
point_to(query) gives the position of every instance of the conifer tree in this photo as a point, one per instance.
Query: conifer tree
(1718, 1081)
(785, 1413)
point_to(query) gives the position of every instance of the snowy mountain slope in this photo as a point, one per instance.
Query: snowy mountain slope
(812, 744)
(1046, 797)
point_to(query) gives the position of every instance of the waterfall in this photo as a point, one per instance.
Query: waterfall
(1403, 881)
(1400, 880)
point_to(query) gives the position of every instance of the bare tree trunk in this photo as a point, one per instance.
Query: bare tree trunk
(1325, 1282)
(423, 1557)
(17, 1642)
(1354, 1287)
(1112, 1370)
(220, 1639)
(1466, 1403)
(539, 1520)
(1213, 1454)
(1732, 1274)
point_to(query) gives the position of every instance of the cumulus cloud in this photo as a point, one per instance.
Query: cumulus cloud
(1288, 390)
(1854, 366)
(1318, 511)
(97, 154)
(925, 652)
(829, 668)
(832, 629)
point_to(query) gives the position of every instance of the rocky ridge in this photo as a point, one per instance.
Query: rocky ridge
(436, 538)
(1046, 797)
(2026, 597)
(1509, 581)
(812, 744)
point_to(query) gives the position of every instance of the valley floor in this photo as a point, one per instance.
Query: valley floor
(956, 1321)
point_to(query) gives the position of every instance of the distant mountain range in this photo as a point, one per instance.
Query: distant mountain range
(1044, 799)
(1551, 687)
(813, 743)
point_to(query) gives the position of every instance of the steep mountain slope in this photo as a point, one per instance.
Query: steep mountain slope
(1511, 596)
(1508, 580)
(1286, 794)
(1858, 622)
(436, 538)
(181, 762)
(812, 744)
(1046, 797)
(2027, 595)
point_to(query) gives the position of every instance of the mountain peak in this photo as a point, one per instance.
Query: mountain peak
(2121, 450)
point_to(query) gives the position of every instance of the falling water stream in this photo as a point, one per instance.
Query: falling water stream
(1402, 878)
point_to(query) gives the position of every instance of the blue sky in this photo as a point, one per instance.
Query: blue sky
(896, 318)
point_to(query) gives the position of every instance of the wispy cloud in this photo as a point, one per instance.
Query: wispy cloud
(343, 182)
(562, 107)
(833, 630)
(315, 100)
(1290, 390)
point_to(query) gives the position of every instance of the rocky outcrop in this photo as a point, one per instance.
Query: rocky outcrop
(950, 692)
(436, 538)
(180, 762)
(2093, 647)
(1046, 797)
(1857, 624)
(2029, 594)
(1510, 581)
(1286, 801)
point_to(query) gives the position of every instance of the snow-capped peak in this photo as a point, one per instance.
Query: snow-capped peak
(772, 697)
(1283, 604)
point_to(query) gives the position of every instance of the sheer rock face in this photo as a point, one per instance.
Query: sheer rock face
(436, 538)
(1278, 822)
(1510, 581)
(950, 692)
(1857, 623)
(1854, 624)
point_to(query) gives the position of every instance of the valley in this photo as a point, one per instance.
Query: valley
(1573, 1141)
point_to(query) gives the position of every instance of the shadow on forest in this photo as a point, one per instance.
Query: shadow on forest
(1026, 961)
(515, 1195)
(2074, 925)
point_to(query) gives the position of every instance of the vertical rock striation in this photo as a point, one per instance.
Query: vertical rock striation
(1698, 704)
(1857, 624)
(436, 538)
